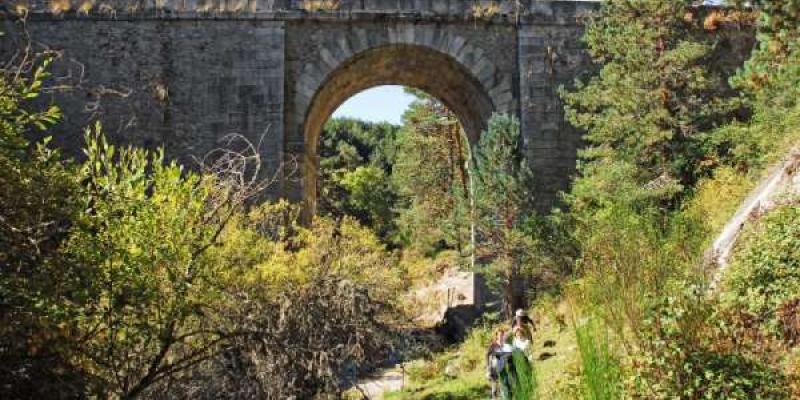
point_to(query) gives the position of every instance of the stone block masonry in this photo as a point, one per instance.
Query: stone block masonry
(183, 74)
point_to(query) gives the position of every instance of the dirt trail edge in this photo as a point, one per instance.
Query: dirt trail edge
(784, 178)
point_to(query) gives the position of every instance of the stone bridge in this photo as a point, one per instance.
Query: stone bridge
(184, 73)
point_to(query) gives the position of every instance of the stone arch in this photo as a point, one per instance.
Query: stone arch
(432, 71)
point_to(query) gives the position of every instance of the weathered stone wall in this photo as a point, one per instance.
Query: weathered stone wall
(550, 56)
(185, 73)
(180, 84)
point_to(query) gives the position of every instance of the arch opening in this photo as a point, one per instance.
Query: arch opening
(428, 70)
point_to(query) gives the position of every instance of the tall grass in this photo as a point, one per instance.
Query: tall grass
(526, 387)
(601, 377)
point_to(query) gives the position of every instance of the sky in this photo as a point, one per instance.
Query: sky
(379, 104)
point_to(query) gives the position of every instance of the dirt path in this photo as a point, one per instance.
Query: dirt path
(454, 288)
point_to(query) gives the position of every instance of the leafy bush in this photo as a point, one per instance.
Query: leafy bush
(765, 270)
(38, 196)
(369, 189)
(142, 301)
(692, 352)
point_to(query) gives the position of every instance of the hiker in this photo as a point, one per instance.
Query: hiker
(522, 325)
(498, 365)
(521, 339)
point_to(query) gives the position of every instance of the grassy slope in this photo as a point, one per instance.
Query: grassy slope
(556, 374)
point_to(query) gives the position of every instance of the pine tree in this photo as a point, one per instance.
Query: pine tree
(774, 69)
(503, 203)
(650, 112)
(430, 178)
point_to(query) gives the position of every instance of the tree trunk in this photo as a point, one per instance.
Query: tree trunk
(514, 292)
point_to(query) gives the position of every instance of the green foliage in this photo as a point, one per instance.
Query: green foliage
(771, 79)
(773, 67)
(692, 352)
(284, 293)
(143, 239)
(601, 373)
(651, 110)
(765, 270)
(37, 189)
(502, 176)
(718, 197)
(503, 205)
(130, 277)
(431, 180)
(371, 195)
(37, 193)
(356, 159)
(629, 258)
(409, 184)
(668, 163)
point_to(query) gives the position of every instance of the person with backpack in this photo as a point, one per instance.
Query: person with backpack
(499, 366)
(522, 328)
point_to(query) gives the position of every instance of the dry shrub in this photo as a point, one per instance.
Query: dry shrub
(21, 7)
(59, 7)
(320, 5)
(300, 345)
(739, 331)
(488, 11)
(717, 19)
(696, 350)
(713, 20)
(789, 317)
(793, 372)
(86, 7)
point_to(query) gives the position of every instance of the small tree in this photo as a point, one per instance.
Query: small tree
(503, 203)
(143, 301)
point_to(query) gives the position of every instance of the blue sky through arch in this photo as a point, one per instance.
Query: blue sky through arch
(379, 104)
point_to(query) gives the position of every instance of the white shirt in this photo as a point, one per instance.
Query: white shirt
(521, 343)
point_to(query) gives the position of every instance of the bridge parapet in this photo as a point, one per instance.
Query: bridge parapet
(503, 11)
